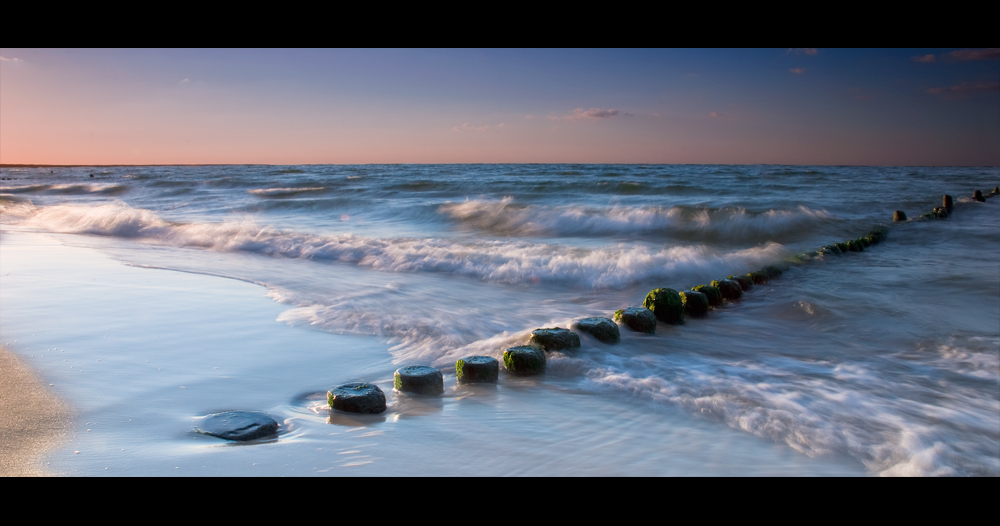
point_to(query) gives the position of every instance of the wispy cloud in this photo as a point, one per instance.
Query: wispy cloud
(468, 127)
(716, 114)
(802, 51)
(798, 71)
(992, 53)
(12, 59)
(965, 88)
(591, 114)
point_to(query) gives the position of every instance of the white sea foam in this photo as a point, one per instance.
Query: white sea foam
(493, 261)
(506, 217)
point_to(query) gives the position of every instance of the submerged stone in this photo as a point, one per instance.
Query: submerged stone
(940, 212)
(555, 338)
(844, 247)
(357, 397)
(666, 305)
(771, 271)
(758, 277)
(603, 329)
(524, 359)
(745, 282)
(238, 425)
(712, 292)
(730, 289)
(638, 319)
(833, 249)
(477, 369)
(419, 379)
(899, 215)
(695, 303)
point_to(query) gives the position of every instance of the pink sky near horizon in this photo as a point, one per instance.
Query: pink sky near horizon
(353, 107)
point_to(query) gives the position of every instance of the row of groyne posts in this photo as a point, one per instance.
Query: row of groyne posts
(663, 304)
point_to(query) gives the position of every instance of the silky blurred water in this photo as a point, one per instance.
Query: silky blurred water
(295, 279)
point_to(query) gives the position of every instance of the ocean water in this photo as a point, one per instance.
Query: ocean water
(151, 296)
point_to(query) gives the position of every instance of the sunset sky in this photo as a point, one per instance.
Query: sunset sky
(775, 106)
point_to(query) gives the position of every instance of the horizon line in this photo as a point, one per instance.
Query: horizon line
(25, 165)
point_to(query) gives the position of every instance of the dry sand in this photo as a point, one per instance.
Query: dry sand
(32, 420)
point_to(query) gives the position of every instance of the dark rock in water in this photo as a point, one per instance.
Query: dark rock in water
(996, 190)
(357, 397)
(940, 213)
(863, 241)
(771, 271)
(477, 369)
(978, 196)
(524, 359)
(713, 294)
(418, 379)
(555, 338)
(880, 233)
(853, 246)
(745, 282)
(948, 203)
(603, 329)
(238, 425)
(729, 289)
(695, 303)
(666, 305)
(928, 215)
(758, 277)
(844, 247)
(834, 249)
(638, 319)
(899, 215)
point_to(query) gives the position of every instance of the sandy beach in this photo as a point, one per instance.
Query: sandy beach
(34, 422)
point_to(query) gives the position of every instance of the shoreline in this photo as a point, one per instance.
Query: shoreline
(32, 424)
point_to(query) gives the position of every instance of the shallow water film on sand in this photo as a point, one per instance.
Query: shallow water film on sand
(150, 297)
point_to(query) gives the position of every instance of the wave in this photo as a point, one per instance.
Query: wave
(67, 189)
(514, 262)
(508, 218)
(286, 192)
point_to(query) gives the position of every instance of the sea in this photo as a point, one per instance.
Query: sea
(148, 297)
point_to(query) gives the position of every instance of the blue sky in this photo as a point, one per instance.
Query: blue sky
(735, 106)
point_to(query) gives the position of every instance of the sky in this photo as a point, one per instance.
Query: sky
(937, 107)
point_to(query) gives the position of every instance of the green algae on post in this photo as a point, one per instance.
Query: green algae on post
(730, 289)
(524, 360)
(477, 369)
(603, 329)
(666, 305)
(711, 292)
(638, 319)
(555, 339)
(419, 379)
(695, 303)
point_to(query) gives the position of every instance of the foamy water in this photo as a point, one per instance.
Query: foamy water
(884, 362)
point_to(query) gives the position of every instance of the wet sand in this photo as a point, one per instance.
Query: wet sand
(31, 420)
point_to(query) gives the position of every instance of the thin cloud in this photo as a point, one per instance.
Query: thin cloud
(802, 51)
(12, 59)
(591, 114)
(992, 53)
(965, 88)
(716, 114)
(925, 58)
(468, 127)
(798, 71)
